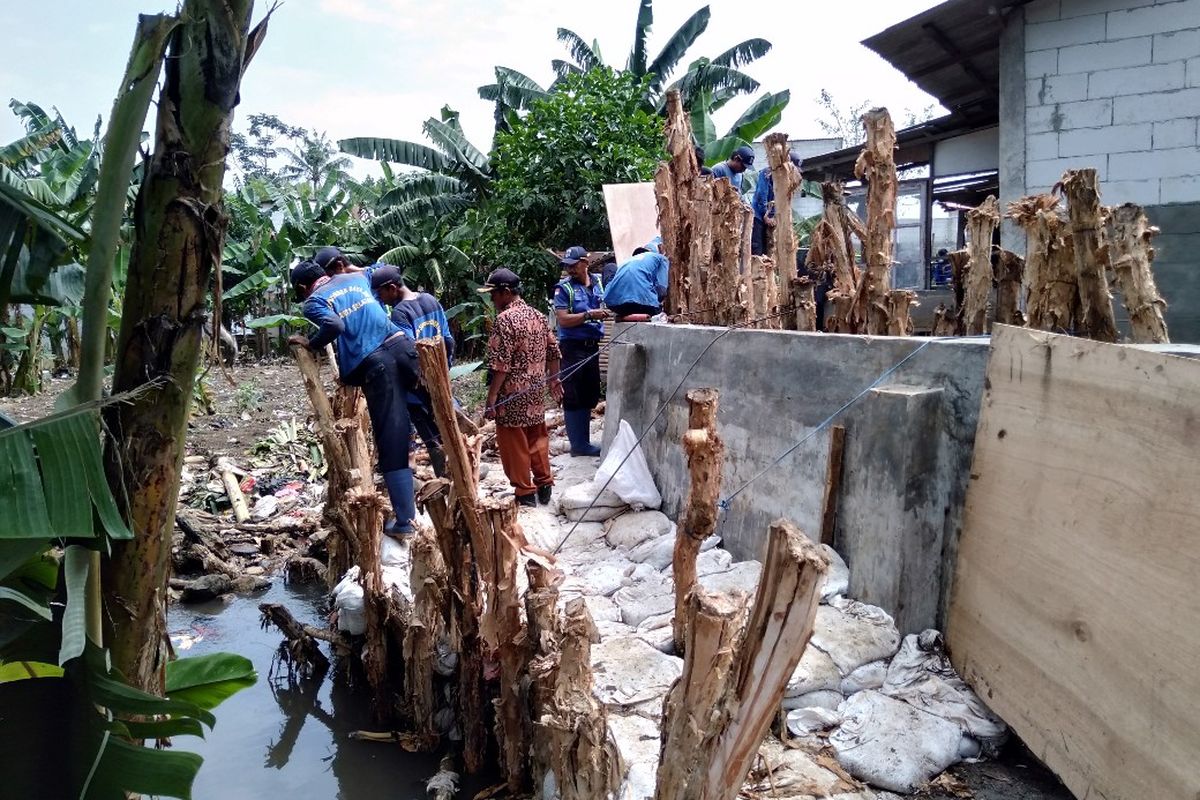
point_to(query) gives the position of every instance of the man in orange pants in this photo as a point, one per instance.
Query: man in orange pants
(523, 361)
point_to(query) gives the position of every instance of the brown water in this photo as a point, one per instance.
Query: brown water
(292, 743)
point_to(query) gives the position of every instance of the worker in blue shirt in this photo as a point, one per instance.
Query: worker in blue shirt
(372, 353)
(764, 206)
(731, 170)
(578, 307)
(640, 284)
(420, 316)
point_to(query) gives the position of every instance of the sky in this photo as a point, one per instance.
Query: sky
(381, 67)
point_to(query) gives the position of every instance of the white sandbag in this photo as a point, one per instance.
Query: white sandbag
(741, 577)
(394, 552)
(828, 700)
(803, 721)
(631, 480)
(868, 676)
(586, 501)
(585, 545)
(638, 741)
(661, 639)
(889, 744)
(348, 600)
(922, 676)
(645, 598)
(626, 671)
(710, 562)
(794, 773)
(399, 578)
(606, 577)
(612, 630)
(602, 608)
(656, 552)
(630, 530)
(657, 622)
(816, 672)
(837, 578)
(854, 633)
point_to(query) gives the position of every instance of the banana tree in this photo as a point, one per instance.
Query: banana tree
(763, 115)
(721, 74)
(512, 93)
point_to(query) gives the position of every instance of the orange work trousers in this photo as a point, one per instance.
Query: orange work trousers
(525, 454)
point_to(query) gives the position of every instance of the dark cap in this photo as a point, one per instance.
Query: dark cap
(745, 154)
(326, 256)
(795, 158)
(500, 279)
(574, 255)
(306, 273)
(385, 274)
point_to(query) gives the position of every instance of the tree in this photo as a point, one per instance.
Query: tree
(591, 130)
(845, 122)
(721, 76)
(180, 226)
(257, 150)
(512, 92)
(314, 160)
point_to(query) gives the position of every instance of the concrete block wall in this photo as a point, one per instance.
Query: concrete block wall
(1115, 85)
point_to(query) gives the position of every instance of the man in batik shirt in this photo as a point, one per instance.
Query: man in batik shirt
(523, 360)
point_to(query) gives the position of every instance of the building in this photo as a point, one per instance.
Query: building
(1037, 88)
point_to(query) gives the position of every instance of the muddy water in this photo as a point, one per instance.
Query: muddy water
(272, 740)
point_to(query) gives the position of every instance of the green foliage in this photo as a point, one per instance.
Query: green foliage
(248, 397)
(591, 130)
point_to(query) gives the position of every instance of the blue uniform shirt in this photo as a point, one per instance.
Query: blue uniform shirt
(764, 193)
(345, 309)
(423, 318)
(722, 170)
(642, 279)
(575, 298)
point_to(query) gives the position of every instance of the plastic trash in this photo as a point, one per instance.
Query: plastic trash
(265, 507)
(631, 481)
(348, 600)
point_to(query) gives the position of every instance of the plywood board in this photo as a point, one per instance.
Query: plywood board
(1075, 611)
(632, 216)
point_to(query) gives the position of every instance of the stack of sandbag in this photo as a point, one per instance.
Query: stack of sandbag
(396, 562)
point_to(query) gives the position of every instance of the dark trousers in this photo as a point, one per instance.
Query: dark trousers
(758, 237)
(626, 309)
(420, 411)
(580, 373)
(386, 376)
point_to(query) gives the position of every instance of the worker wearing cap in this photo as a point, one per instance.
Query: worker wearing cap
(420, 316)
(578, 307)
(372, 353)
(523, 360)
(764, 206)
(731, 170)
(640, 285)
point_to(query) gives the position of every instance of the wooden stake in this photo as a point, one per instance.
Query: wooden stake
(900, 303)
(673, 187)
(805, 302)
(1081, 187)
(958, 278)
(428, 581)
(721, 267)
(877, 166)
(1130, 232)
(1009, 278)
(716, 715)
(833, 483)
(981, 226)
(504, 605)
(833, 248)
(233, 491)
(584, 758)
(705, 453)
(785, 180)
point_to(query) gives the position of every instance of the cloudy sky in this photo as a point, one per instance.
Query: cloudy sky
(380, 67)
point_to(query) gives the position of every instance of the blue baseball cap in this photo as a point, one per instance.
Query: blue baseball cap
(574, 255)
(745, 154)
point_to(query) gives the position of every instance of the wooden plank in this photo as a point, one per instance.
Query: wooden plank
(1074, 612)
(632, 216)
(833, 483)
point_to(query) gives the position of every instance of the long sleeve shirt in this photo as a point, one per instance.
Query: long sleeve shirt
(642, 279)
(764, 193)
(722, 170)
(345, 310)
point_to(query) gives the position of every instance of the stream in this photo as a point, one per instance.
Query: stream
(272, 740)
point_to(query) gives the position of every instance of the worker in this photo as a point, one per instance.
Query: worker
(700, 162)
(420, 316)
(640, 285)
(732, 169)
(764, 206)
(523, 361)
(579, 311)
(373, 353)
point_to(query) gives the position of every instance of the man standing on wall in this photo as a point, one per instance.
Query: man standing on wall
(764, 207)
(577, 307)
(372, 353)
(420, 316)
(732, 169)
(522, 359)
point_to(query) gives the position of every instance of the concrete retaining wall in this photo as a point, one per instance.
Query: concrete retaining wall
(908, 442)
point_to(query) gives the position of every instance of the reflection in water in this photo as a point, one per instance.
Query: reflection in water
(277, 739)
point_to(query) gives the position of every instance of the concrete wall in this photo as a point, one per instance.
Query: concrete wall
(1115, 85)
(908, 443)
